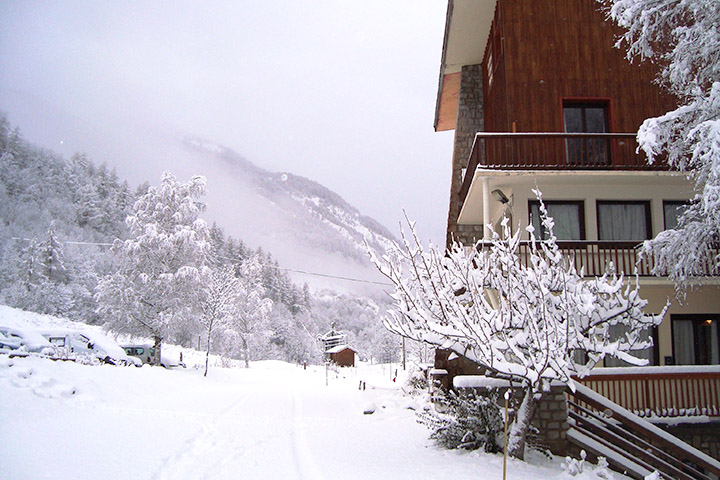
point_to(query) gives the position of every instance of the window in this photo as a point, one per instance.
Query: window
(623, 221)
(569, 218)
(695, 339)
(671, 213)
(649, 354)
(586, 117)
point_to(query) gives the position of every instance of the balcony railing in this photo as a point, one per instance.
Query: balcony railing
(595, 257)
(660, 392)
(555, 151)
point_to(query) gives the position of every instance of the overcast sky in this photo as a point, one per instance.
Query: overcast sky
(342, 92)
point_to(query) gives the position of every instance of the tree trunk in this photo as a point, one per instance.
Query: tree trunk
(521, 425)
(246, 352)
(207, 356)
(157, 357)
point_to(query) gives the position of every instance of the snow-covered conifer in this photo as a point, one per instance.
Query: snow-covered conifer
(683, 36)
(163, 265)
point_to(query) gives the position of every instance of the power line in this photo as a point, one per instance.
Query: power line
(317, 274)
(325, 275)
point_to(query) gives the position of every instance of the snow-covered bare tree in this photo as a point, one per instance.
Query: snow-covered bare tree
(251, 307)
(683, 36)
(162, 266)
(522, 316)
(217, 304)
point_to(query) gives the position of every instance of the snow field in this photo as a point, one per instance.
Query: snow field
(63, 420)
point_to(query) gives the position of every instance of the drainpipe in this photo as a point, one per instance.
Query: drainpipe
(486, 207)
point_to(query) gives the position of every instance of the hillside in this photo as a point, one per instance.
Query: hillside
(300, 212)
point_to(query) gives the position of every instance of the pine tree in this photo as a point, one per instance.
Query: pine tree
(163, 265)
(684, 39)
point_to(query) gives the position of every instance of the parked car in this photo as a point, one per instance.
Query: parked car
(145, 352)
(95, 344)
(23, 339)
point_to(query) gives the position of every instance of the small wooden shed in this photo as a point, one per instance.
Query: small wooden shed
(342, 355)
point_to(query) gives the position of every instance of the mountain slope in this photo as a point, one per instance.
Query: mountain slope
(302, 223)
(311, 213)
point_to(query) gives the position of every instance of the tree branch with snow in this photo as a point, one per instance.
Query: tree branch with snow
(683, 37)
(162, 266)
(523, 315)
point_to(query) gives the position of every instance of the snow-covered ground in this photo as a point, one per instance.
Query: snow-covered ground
(63, 420)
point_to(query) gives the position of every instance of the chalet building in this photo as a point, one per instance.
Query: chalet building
(342, 356)
(335, 348)
(539, 97)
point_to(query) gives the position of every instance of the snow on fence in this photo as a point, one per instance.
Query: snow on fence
(594, 257)
(625, 437)
(660, 392)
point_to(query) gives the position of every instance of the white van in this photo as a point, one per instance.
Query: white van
(144, 352)
(93, 344)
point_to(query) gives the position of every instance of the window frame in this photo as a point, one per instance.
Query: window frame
(648, 216)
(696, 319)
(584, 104)
(581, 216)
(579, 151)
(677, 204)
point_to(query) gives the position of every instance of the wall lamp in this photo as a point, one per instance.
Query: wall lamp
(500, 196)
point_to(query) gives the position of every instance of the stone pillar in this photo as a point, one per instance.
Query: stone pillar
(551, 421)
(470, 120)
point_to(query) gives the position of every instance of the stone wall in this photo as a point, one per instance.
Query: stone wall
(551, 421)
(470, 120)
(703, 436)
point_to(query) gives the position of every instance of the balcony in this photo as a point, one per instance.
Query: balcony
(660, 392)
(594, 257)
(554, 151)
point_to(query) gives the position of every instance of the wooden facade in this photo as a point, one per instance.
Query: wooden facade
(540, 53)
(343, 357)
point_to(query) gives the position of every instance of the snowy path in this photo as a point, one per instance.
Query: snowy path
(273, 421)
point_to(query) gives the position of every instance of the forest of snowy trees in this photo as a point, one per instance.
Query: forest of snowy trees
(71, 235)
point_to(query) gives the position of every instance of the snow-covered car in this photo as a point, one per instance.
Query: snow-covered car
(93, 344)
(23, 339)
(145, 351)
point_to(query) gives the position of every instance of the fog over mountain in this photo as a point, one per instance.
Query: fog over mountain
(306, 226)
(303, 223)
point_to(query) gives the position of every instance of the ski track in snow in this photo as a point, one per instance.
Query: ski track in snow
(198, 456)
(307, 469)
(211, 450)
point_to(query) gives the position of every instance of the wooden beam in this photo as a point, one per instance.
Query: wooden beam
(447, 113)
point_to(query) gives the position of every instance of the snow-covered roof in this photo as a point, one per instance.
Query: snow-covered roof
(339, 348)
(479, 381)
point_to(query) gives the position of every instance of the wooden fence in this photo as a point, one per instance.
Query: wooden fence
(660, 392)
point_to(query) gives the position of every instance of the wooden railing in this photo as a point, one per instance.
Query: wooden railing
(595, 257)
(660, 392)
(554, 151)
(630, 443)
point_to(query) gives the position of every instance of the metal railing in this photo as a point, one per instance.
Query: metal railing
(594, 257)
(554, 151)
